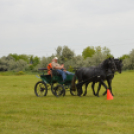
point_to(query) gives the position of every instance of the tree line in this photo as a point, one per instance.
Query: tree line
(91, 56)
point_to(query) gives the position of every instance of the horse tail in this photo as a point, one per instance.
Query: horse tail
(73, 87)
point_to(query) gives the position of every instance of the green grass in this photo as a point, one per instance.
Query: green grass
(21, 112)
(10, 73)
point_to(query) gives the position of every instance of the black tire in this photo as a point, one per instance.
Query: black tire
(57, 89)
(40, 89)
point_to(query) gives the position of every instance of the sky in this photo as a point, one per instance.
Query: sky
(39, 27)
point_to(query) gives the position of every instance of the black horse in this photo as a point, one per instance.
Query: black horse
(110, 76)
(93, 74)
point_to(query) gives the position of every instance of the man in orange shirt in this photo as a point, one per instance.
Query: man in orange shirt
(60, 68)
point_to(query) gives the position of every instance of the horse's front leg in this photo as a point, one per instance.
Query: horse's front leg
(79, 89)
(99, 87)
(93, 88)
(109, 81)
(104, 86)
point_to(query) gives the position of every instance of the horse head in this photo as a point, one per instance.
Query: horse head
(111, 64)
(118, 64)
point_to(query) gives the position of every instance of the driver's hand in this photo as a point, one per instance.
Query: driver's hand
(62, 65)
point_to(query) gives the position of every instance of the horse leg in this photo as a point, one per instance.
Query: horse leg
(99, 87)
(85, 93)
(109, 81)
(81, 91)
(79, 88)
(104, 86)
(93, 88)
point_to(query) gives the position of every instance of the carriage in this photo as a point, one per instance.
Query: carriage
(53, 82)
(104, 71)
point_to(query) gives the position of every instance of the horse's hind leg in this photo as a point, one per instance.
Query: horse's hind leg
(79, 90)
(85, 92)
(99, 87)
(93, 88)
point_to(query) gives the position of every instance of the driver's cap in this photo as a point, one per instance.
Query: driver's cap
(55, 58)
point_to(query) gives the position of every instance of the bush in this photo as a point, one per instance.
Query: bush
(128, 63)
(70, 69)
(20, 73)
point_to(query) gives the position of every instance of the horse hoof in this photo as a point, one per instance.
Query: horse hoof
(104, 94)
(96, 95)
(79, 95)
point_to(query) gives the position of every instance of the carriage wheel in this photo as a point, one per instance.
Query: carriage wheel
(40, 89)
(57, 89)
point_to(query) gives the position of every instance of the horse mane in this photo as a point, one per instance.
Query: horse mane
(102, 63)
(99, 65)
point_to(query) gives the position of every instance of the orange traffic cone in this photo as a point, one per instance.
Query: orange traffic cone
(109, 95)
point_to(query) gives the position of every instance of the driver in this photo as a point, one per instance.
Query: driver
(60, 68)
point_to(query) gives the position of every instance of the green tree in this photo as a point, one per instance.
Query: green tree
(34, 60)
(128, 63)
(8, 63)
(88, 52)
(21, 56)
(20, 65)
(44, 62)
(123, 57)
(74, 62)
(96, 59)
(98, 49)
(106, 51)
(59, 51)
(67, 53)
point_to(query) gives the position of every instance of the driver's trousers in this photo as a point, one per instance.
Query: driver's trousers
(63, 74)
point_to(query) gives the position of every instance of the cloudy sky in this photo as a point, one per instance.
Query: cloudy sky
(38, 27)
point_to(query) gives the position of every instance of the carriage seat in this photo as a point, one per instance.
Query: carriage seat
(55, 73)
(51, 71)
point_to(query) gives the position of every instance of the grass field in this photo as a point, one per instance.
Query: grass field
(21, 112)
